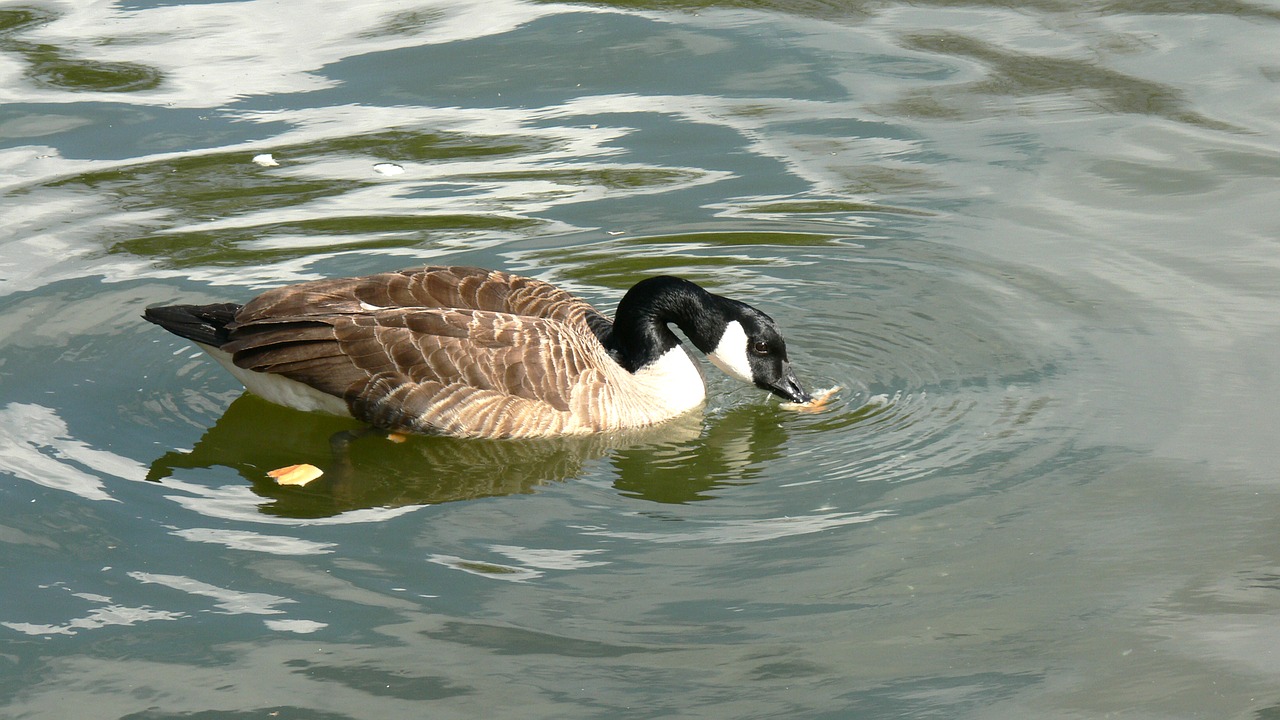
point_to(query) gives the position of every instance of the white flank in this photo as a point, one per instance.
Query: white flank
(674, 381)
(731, 354)
(279, 389)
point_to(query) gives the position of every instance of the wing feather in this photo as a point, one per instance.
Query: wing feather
(429, 287)
(459, 371)
(459, 350)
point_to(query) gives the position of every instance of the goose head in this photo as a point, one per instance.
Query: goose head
(750, 348)
(742, 341)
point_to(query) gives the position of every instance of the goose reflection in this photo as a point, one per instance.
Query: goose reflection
(681, 461)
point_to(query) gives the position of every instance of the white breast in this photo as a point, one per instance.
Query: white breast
(673, 382)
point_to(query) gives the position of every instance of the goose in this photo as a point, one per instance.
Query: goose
(471, 352)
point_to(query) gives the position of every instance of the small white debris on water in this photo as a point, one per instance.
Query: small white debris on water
(302, 627)
(388, 169)
(265, 160)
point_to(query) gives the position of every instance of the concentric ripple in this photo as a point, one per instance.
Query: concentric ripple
(941, 366)
(946, 360)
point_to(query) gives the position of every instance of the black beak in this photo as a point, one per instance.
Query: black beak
(788, 388)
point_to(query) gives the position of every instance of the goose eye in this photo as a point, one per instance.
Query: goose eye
(760, 347)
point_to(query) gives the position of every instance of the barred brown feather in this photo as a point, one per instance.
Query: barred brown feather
(453, 350)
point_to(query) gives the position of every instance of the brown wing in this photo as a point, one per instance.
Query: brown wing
(428, 287)
(456, 371)
(458, 350)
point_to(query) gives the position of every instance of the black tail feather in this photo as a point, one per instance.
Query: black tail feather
(206, 324)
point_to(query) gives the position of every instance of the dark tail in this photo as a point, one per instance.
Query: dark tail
(206, 324)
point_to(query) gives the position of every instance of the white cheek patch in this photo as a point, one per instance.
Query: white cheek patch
(731, 354)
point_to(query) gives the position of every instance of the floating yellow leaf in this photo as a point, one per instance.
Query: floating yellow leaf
(296, 474)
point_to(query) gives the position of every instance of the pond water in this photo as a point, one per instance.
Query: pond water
(1036, 247)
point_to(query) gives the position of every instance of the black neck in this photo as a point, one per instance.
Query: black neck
(640, 333)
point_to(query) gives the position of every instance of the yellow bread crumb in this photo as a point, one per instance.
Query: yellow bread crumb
(819, 401)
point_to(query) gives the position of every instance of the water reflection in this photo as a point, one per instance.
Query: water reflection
(472, 186)
(212, 53)
(54, 67)
(249, 201)
(733, 449)
(858, 9)
(1023, 75)
(721, 261)
(682, 461)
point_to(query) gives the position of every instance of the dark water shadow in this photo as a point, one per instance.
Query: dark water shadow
(685, 460)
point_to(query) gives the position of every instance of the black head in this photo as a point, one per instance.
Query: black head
(742, 341)
(751, 348)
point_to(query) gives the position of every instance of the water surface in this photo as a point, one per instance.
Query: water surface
(1035, 246)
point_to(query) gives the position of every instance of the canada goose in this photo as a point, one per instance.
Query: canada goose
(471, 352)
